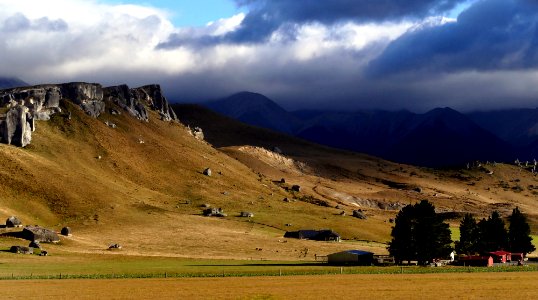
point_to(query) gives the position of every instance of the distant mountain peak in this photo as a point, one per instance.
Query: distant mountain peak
(11, 82)
(256, 109)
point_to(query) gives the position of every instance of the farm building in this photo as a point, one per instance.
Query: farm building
(351, 257)
(316, 235)
(476, 260)
(518, 257)
(501, 256)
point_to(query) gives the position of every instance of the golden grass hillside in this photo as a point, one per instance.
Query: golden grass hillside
(376, 186)
(141, 185)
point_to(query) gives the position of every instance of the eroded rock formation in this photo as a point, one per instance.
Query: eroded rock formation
(127, 99)
(19, 107)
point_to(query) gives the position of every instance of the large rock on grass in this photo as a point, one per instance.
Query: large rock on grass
(13, 222)
(40, 234)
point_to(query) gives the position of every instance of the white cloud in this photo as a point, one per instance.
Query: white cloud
(92, 41)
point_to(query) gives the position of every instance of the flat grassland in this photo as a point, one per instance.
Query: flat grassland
(519, 285)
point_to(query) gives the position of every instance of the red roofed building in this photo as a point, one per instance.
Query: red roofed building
(501, 256)
(476, 260)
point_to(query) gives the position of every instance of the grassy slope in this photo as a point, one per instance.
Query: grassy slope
(335, 175)
(148, 196)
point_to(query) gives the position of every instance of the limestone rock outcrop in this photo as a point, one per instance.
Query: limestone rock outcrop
(128, 100)
(89, 96)
(17, 126)
(153, 96)
(20, 107)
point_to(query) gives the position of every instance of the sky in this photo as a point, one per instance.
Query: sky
(307, 54)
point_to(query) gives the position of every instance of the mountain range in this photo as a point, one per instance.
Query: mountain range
(118, 166)
(438, 138)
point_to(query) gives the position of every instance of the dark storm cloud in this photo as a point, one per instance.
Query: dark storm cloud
(265, 17)
(491, 35)
(337, 10)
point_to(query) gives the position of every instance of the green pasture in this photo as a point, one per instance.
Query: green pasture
(66, 265)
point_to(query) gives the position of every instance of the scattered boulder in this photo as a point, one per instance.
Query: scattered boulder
(40, 234)
(282, 180)
(66, 231)
(35, 244)
(114, 247)
(246, 214)
(296, 188)
(418, 189)
(43, 253)
(110, 124)
(359, 214)
(343, 213)
(391, 220)
(198, 133)
(13, 222)
(214, 212)
(207, 172)
(286, 200)
(21, 250)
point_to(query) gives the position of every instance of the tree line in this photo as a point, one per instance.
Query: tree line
(420, 234)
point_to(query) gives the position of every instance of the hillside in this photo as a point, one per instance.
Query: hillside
(377, 186)
(140, 184)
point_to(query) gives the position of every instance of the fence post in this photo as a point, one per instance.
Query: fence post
(280, 272)
(341, 270)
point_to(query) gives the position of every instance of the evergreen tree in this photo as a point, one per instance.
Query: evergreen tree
(419, 234)
(469, 236)
(402, 246)
(519, 233)
(492, 234)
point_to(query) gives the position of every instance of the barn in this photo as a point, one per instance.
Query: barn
(351, 257)
(316, 235)
(501, 256)
(475, 260)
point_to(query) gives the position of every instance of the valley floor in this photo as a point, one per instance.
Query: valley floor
(518, 285)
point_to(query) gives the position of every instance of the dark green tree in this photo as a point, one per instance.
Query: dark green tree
(492, 234)
(519, 232)
(402, 246)
(420, 234)
(469, 236)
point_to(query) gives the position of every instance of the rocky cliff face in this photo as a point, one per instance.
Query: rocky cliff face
(19, 107)
(127, 99)
(154, 98)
